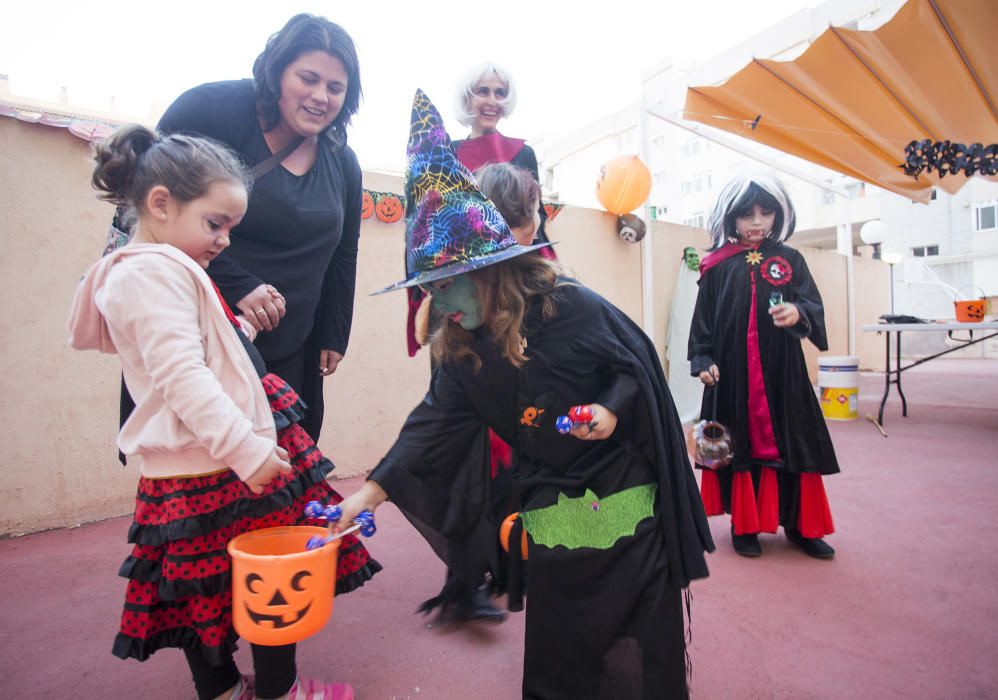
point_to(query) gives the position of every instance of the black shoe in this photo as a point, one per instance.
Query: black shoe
(476, 605)
(746, 545)
(812, 546)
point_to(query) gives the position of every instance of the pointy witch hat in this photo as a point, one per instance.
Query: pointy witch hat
(450, 226)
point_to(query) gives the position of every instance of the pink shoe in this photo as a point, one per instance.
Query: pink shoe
(309, 689)
(244, 691)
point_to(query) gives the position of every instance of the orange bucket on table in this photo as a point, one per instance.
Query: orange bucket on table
(281, 592)
(972, 310)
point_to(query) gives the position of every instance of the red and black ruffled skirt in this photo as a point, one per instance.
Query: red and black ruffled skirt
(179, 590)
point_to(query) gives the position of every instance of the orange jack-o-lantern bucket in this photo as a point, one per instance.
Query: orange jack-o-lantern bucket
(281, 592)
(971, 310)
(504, 532)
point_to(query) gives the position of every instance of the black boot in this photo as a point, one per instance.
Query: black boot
(746, 545)
(477, 605)
(458, 602)
(812, 546)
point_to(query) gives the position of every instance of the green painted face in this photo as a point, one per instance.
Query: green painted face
(457, 298)
(692, 259)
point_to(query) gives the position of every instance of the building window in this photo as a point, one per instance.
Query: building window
(932, 197)
(856, 190)
(697, 220)
(924, 251)
(658, 141)
(827, 197)
(660, 177)
(696, 184)
(986, 216)
(691, 148)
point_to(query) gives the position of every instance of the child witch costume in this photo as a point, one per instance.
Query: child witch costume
(615, 527)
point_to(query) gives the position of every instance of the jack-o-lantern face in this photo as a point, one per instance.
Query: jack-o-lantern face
(282, 592)
(367, 206)
(279, 603)
(389, 209)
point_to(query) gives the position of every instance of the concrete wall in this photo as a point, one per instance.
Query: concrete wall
(58, 463)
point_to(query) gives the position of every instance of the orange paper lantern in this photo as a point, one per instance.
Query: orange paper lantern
(624, 184)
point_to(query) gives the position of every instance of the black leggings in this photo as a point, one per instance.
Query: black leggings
(301, 371)
(274, 667)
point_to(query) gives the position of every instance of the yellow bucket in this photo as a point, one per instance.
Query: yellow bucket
(838, 382)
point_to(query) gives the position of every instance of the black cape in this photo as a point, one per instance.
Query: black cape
(598, 617)
(719, 335)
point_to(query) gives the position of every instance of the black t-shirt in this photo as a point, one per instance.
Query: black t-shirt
(300, 232)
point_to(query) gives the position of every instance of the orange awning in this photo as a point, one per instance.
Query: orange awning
(855, 99)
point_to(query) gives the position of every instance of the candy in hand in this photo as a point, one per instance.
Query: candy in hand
(581, 414)
(364, 522)
(577, 416)
(314, 509)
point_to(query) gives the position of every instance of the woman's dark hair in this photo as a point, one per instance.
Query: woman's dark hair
(304, 33)
(512, 189)
(135, 159)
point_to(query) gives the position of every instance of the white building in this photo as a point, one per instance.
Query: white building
(946, 245)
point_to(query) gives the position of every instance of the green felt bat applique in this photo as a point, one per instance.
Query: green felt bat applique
(590, 521)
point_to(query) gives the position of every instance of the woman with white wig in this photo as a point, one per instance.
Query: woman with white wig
(486, 95)
(756, 302)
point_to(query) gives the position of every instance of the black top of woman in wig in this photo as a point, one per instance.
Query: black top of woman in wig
(737, 199)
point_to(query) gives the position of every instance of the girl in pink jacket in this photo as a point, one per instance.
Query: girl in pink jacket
(216, 437)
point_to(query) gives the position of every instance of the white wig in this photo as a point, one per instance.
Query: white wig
(467, 86)
(741, 193)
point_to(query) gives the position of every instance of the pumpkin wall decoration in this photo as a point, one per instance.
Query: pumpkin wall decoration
(281, 592)
(366, 205)
(552, 209)
(389, 208)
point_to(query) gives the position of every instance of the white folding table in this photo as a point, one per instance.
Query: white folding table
(892, 374)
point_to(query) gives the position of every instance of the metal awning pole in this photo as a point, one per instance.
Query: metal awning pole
(844, 244)
(735, 145)
(844, 232)
(647, 259)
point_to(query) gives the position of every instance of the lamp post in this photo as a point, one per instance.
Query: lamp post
(891, 258)
(875, 233)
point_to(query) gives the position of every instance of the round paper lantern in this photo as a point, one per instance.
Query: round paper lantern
(873, 232)
(624, 184)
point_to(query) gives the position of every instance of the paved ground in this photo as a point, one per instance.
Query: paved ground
(908, 608)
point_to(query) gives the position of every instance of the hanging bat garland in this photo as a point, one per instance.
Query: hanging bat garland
(949, 158)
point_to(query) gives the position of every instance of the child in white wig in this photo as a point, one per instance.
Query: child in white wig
(756, 302)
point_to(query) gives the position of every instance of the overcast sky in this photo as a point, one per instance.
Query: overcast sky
(573, 60)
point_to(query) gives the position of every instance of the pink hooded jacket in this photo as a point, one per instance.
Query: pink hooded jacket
(199, 404)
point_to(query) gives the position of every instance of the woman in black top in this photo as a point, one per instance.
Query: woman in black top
(292, 264)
